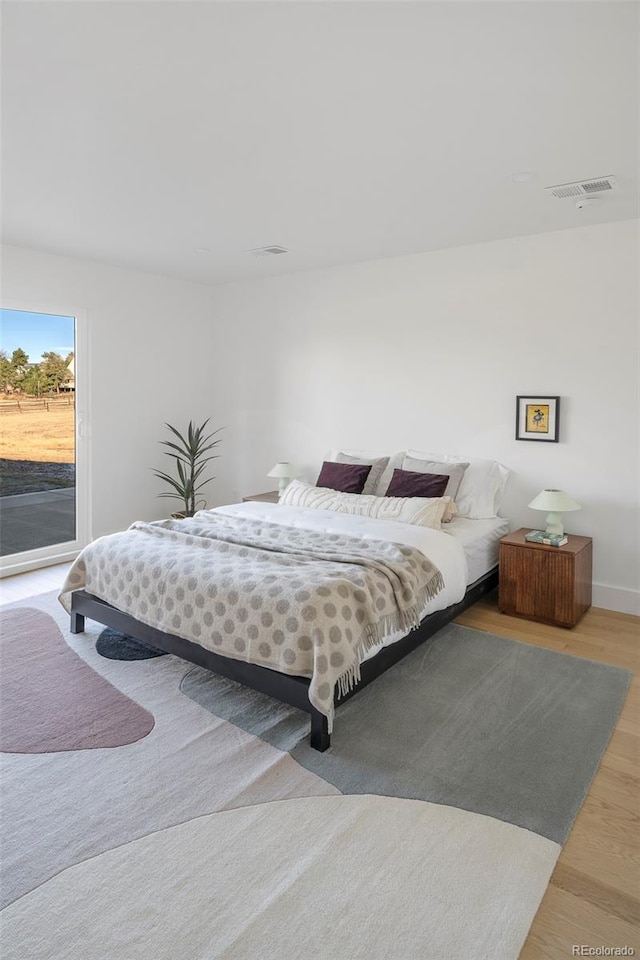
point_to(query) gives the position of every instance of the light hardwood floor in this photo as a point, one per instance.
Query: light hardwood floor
(24, 585)
(594, 894)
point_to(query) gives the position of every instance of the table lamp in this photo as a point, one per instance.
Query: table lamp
(555, 503)
(283, 472)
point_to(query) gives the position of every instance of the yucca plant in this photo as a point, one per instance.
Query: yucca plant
(190, 462)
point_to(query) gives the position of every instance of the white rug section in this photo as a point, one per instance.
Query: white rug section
(70, 806)
(342, 878)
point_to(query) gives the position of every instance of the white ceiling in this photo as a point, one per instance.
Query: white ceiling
(134, 133)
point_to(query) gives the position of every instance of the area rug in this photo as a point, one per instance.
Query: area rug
(50, 700)
(428, 831)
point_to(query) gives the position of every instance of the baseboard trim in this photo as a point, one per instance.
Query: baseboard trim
(10, 569)
(619, 599)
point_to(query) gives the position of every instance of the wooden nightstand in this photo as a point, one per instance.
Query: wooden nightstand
(271, 497)
(549, 584)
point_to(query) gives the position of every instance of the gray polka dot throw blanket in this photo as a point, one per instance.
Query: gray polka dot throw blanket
(297, 601)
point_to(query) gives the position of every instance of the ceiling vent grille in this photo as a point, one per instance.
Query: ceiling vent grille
(583, 188)
(271, 251)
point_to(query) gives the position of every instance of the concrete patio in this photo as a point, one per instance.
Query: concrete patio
(32, 520)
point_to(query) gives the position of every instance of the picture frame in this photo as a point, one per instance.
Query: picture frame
(538, 418)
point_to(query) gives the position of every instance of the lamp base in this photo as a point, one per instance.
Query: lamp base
(554, 523)
(282, 485)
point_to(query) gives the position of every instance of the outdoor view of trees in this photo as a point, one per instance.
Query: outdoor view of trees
(18, 375)
(37, 430)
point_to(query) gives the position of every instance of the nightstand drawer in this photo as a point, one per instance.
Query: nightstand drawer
(549, 584)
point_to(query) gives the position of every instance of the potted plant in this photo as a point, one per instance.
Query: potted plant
(190, 458)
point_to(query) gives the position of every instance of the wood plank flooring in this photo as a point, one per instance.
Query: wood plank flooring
(594, 894)
(25, 585)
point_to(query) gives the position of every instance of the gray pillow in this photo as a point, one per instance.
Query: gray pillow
(377, 469)
(454, 471)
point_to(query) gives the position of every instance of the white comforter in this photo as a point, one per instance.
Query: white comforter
(441, 548)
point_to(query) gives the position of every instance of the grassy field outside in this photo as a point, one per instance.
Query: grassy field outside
(37, 445)
(31, 432)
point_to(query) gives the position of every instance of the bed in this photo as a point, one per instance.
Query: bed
(321, 572)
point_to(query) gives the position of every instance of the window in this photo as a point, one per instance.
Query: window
(43, 490)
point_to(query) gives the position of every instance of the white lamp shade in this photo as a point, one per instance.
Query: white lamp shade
(283, 472)
(555, 503)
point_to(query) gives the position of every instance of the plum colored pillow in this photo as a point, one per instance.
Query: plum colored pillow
(408, 483)
(455, 472)
(345, 477)
(378, 466)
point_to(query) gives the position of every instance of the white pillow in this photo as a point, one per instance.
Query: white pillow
(482, 487)
(421, 511)
(383, 480)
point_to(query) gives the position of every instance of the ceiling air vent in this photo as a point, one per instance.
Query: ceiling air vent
(583, 188)
(271, 251)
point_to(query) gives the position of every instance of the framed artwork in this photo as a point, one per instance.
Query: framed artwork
(538, 418)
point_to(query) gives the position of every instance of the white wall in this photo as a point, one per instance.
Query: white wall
(426, 351)
(430, 351)
(150, 342)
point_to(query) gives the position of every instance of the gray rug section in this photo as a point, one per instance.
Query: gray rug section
(471, 720)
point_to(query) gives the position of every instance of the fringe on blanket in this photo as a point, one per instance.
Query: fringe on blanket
(375, 633)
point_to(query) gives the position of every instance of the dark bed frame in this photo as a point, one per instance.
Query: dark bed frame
(289, 689)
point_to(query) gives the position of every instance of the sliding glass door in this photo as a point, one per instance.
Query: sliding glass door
(42, 514)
